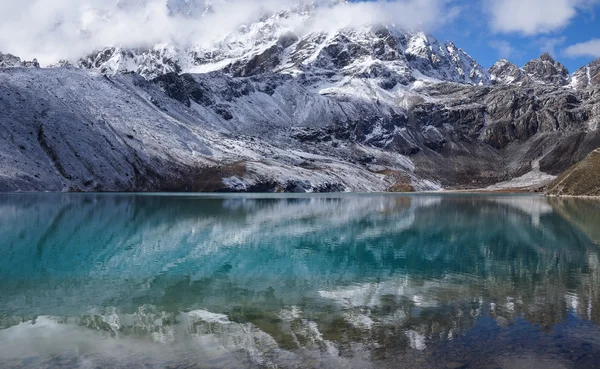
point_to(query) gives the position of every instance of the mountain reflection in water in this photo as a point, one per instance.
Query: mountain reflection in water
(298, 281)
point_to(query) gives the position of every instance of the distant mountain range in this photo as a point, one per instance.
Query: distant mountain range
(368, 108)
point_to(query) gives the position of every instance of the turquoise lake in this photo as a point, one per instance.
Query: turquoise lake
(299, 281)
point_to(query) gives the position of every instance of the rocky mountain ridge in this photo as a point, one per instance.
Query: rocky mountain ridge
(423, 57)
(383, 50)
(287, 42)
(544, 71)
(11, 61)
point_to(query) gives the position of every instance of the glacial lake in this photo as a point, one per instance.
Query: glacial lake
(299, 281)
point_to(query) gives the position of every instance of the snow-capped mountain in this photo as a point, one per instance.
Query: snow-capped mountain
(279, 42)
(286, 42)
(279, 105)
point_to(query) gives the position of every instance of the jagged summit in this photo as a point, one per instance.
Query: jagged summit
(271, 46)
(293, 41)
(287, 41)
(545, 70)
(542, 71)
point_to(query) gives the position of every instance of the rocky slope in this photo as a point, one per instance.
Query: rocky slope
(587, 76)
(269, 109)
(583, 179)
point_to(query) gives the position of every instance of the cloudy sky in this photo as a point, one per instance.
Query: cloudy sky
(520, 30)
(487, 29)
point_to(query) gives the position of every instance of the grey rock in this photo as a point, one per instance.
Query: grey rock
(11, 61)
(546, 70)
(587, 76)
(505, 72)
(67, 130)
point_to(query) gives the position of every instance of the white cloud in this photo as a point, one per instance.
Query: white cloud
(55, 29)
(411, 14)
(533, 17)
(587, 49)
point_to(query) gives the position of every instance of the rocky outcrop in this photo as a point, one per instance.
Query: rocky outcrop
(587, 76)
(149, 63)
(545, 70)
(505, 72)
(582, 179)
(11, 61)
(542, 71)
(443, 61)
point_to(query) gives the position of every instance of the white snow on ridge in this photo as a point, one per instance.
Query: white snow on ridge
(300, 49)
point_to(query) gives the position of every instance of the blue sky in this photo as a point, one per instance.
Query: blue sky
(520, 30)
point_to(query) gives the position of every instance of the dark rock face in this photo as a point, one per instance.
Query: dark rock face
(546, 70)
(258, 64)
(521, 113)
(569, 151)
(506, 127)
(183, 89)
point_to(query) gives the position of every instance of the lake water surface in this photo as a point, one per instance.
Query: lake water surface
(323, 281)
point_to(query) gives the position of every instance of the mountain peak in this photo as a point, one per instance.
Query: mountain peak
(547, 57)
(385, 53)
(545, 70)
(503, 62)
(505, 72)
